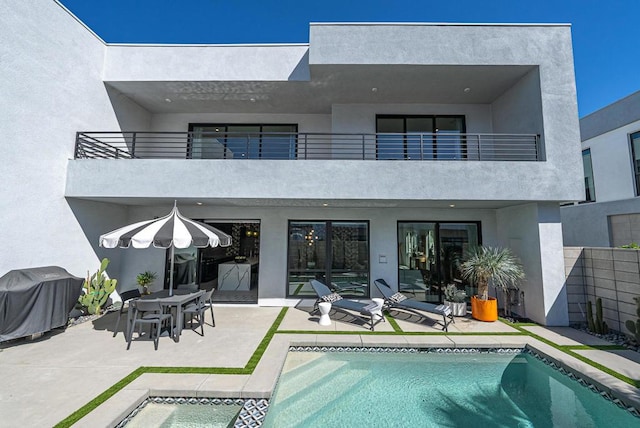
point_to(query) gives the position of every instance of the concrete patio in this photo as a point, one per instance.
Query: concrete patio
(46, 380)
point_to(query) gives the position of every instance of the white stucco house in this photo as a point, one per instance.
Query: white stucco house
(375, 150)
(609, 213)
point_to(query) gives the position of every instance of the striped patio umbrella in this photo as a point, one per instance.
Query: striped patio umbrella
(171, 231)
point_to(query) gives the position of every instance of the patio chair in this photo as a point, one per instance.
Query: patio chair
(149, 312)
(126, 296)
(208, 302)
(196, 310)
(362, 311)
(393, 300)
(351, 288)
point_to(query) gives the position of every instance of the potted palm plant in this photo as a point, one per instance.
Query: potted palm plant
(484, 264)
(456, 300)
(145, 279)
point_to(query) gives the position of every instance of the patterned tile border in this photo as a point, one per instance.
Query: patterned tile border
(254, 410)
(505, 351)
(399, 350)
(573, 376)
(251, 415)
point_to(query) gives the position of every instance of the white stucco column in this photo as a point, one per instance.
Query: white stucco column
(534, 233)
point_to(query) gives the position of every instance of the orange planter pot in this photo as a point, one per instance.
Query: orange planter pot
(484, 310)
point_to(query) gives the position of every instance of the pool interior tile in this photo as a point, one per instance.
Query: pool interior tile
(600, 379)
(235, 338)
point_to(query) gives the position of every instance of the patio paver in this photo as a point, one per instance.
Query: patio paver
(46, 380)
(625, 362)
(566, 336)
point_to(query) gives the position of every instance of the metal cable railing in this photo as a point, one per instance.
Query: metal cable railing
(439, 146)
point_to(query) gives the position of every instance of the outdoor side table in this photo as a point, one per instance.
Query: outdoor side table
(325, 308)
(377, 313)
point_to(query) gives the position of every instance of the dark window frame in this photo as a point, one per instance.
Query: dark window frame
(437, 224)
(634, 168)
(433, 117)
(588, 198)
(329, 254)
(226, 125)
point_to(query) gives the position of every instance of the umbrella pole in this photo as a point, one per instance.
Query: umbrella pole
(171, 271)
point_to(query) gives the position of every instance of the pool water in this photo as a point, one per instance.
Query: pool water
(185, 416)
(370, 389)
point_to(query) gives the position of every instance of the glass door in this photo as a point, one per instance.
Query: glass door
(419, 137)
(349, 267)
(233, 271)
(334, 252)
(417, 269)
(455, 241)
(429, 255)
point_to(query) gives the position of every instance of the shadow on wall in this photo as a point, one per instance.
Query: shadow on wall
(130, 115)
(96, 218)
(301, 71)
(558, 314)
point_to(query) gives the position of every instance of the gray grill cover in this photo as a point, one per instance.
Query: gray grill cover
(36, 300)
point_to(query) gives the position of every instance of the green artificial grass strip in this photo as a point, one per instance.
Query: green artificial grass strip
(248, 369)
(197, 370)
(594, 347)
(257, 354)
(295, 293)
(397, 331)
(567, 349)
(393, 323)
(516, 324)
(91, 405)
(400, 333)
(620, 376)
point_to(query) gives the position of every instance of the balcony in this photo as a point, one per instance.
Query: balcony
(308, 146)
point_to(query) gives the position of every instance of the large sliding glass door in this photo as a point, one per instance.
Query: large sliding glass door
(243, 141)
(233, 271)
(420, 137)
(334, 252)
(429, 254)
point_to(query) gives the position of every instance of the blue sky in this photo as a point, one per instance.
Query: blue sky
(606, 33)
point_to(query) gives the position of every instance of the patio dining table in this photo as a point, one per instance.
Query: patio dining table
(178, 300)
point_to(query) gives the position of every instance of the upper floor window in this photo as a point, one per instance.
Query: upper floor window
(420, 137)
(590, 191)
(242, 141)
(635, 154)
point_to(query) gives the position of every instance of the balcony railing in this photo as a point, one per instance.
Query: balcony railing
(439, 146)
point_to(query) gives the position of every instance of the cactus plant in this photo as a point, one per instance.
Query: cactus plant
(597, 326)
(601, 326)
(590, 323)
(97, 289)
(634, 327)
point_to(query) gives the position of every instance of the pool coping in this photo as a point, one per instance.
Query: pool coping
(262, 382)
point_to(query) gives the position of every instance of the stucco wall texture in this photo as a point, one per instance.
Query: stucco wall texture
(55, 72)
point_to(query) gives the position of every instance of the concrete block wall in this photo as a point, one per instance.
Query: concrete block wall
(612, 274)
(575, 284)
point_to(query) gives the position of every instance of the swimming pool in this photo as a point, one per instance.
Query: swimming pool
(185, 415)
(191, 412)
(434, 389)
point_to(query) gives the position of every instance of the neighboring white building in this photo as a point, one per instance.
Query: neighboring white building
(610, 212)
(375, 150)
